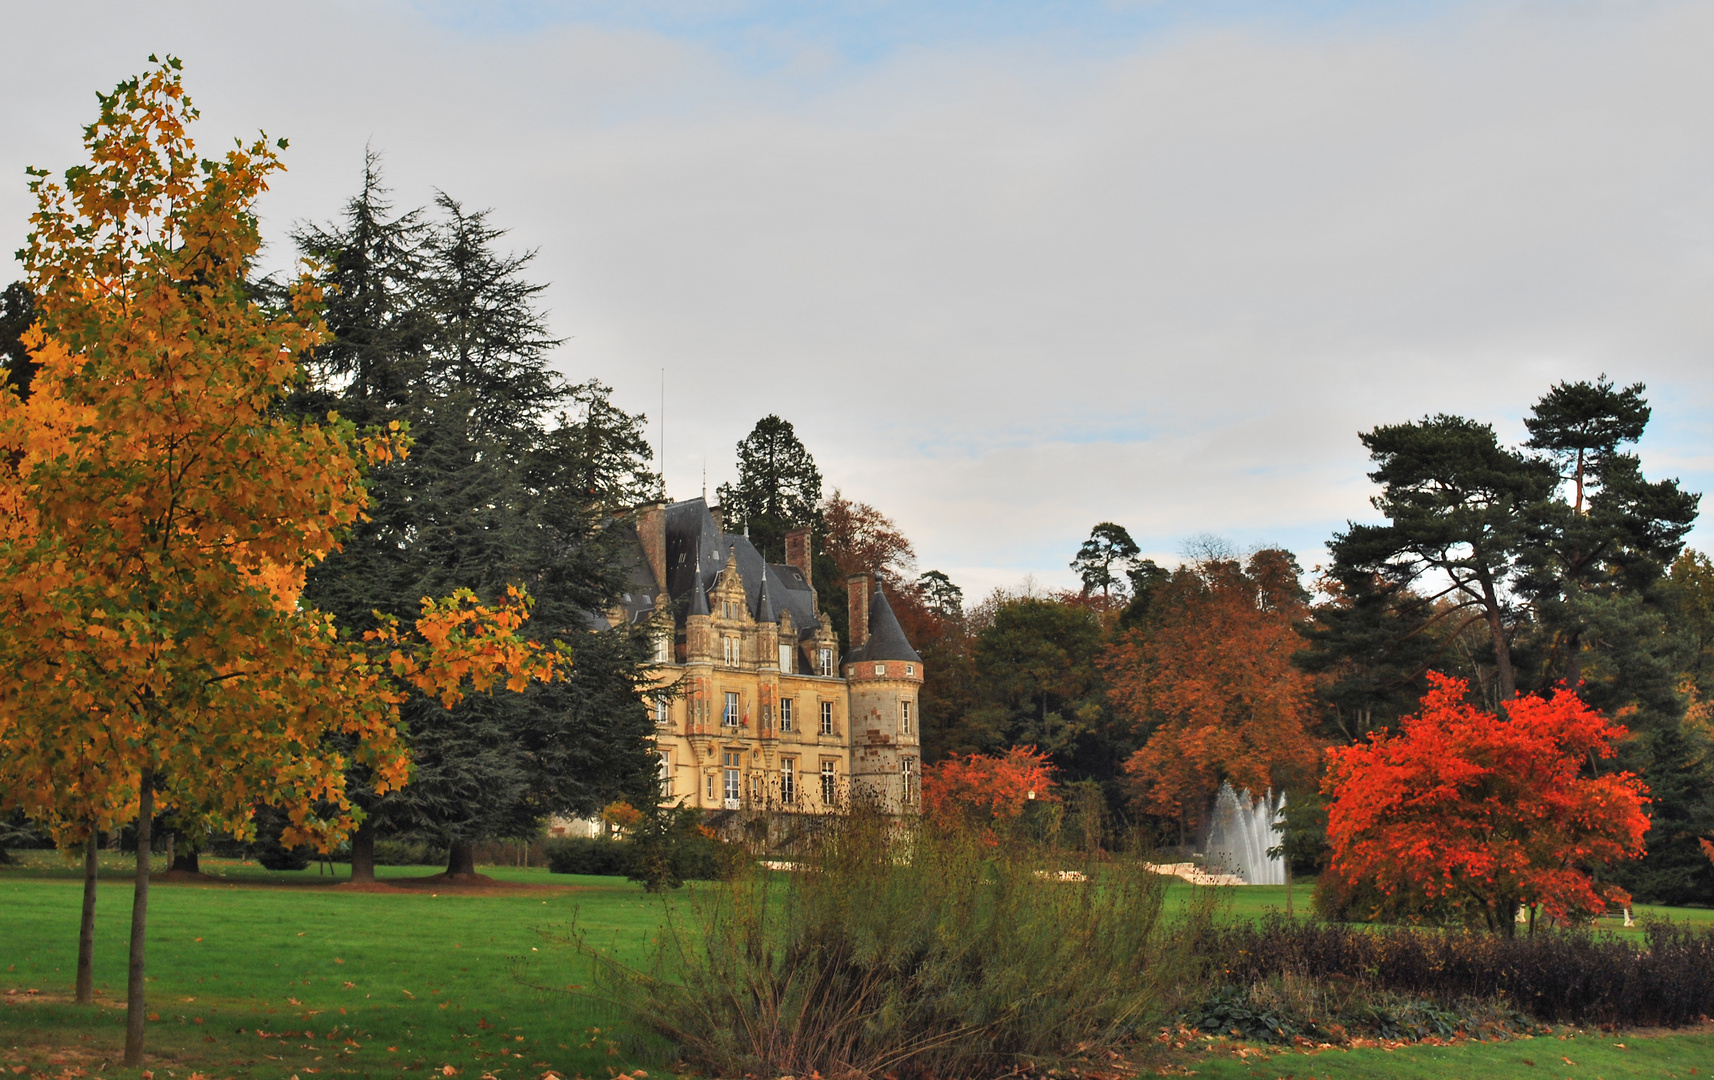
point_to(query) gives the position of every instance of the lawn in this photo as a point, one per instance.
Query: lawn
(381, 982)
(271, 975)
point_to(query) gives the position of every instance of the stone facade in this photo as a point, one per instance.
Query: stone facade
(758, 709)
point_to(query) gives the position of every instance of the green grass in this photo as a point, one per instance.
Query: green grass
(427, 972)
(1587, 1055)
(444, 979)
(1254, 901)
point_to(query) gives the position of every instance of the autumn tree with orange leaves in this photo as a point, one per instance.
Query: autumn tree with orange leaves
(1208, 680)
(158, 511)
(1481, 813)
(985, 790)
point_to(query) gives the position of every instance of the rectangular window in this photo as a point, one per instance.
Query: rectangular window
(788, 780)
(908, 779)
(785, 714)
(726, 643)
(730, 717)
(827, 718)
(827, 783)
(666, 772)
(731, 771)
(905, 717)
(663, 649)
(910, 669)
(711, 787)
(825, 662)
(786, 664)
(663, 713)
(880, 669)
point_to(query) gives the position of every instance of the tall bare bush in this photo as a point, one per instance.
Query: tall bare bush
(900, 948)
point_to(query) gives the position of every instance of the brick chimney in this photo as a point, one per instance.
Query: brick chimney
(652, 532)
(857, 590)
(797, 553)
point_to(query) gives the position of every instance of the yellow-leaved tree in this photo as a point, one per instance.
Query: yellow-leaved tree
(158, 510)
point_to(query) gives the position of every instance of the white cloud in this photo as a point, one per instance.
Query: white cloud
(1008, 290)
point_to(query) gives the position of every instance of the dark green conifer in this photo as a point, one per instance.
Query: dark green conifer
(511, 479)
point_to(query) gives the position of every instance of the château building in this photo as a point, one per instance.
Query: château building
(758, 709)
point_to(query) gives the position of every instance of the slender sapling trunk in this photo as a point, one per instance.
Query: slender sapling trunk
(135, 1007)
(86, 927)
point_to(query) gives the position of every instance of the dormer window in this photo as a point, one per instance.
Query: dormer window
(824, 661)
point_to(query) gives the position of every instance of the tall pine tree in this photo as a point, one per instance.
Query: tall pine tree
(511, 479)
(778, 487)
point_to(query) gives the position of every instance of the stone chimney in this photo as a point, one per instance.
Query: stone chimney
(857, 590)
(719, 515)
(652, 532)
(797, 553)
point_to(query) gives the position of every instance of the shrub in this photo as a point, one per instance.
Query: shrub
(267, 849)
(589, 855)
(1573, 976)
(689, 858)
(906, 951)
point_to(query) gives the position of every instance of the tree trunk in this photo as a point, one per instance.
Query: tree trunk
(461, 860)
(363, 853)
(86, 927)
(135, 1007)
(1502, 648)
(1574, 662)
(186, 859)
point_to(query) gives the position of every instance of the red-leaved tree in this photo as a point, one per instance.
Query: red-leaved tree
(1479, 813)
(984, 790)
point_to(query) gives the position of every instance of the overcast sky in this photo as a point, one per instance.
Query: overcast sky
(1011, 268)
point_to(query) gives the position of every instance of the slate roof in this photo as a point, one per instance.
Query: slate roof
(690, 527)
(696, 552)
(887, 639)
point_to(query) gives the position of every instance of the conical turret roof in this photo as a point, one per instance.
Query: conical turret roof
(698, 594)
(765, 605)
(887, 639)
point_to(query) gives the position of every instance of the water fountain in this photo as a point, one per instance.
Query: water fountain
(1240, 832)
